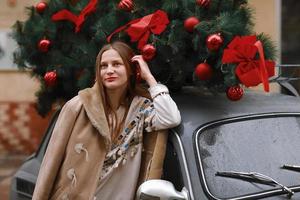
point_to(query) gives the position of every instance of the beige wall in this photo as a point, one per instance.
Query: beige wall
(267, 18)
(15, 86)
(18, 86)
(9, 14)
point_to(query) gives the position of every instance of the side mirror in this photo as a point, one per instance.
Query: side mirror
(160, 190)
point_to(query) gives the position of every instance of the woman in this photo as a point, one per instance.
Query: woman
(95, 149)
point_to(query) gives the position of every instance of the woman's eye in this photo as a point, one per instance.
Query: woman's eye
(103, 66)
(117, 64)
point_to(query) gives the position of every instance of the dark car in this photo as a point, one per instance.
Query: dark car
(247, 149)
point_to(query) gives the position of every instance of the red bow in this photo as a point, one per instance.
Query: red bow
(77, 20)
(242, 50)
(141, 28)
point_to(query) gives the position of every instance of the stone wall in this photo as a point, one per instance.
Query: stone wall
(21, 128)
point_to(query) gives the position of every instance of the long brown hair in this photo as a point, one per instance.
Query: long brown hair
(133, 88)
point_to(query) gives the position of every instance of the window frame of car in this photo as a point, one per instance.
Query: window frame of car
(39, 154)
(199, 130)
(175, 139)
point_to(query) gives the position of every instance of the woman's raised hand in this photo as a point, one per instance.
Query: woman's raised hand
(144, 70)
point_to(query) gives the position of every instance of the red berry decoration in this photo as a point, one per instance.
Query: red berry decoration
(190, 23)
(204, 71)
(214, 41)
(44, 45)
(126, 5)
(148, 52)
(235, 93)
(50, 78)
(41, 7)
(203, 3)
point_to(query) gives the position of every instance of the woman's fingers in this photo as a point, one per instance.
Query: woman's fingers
(145, 72)
(140, 60)
(137, 58)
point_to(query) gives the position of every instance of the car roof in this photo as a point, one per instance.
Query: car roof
(198, 107)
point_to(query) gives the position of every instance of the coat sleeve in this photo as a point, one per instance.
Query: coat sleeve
(55, 151)
(162, 112)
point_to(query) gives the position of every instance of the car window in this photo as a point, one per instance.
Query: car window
(171, 169)
(256, 144)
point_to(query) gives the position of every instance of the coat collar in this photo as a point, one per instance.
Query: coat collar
(93, 105)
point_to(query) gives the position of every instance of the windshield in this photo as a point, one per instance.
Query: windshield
(257, 144)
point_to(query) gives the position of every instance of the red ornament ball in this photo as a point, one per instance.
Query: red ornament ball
(50, 78)
(148, 52)
(126, 5)
(204, 71)
(235, 93)
(44, 45)
(214, 41)
(41, 7)
(203, 3)
(190, 23)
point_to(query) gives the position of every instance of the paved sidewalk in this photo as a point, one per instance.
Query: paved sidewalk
(9, 164)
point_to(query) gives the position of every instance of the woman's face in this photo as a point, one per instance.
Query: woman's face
(113, 70)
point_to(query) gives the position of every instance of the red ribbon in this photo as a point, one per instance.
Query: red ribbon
(141, 28)
(77, 20)
(251, 72)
